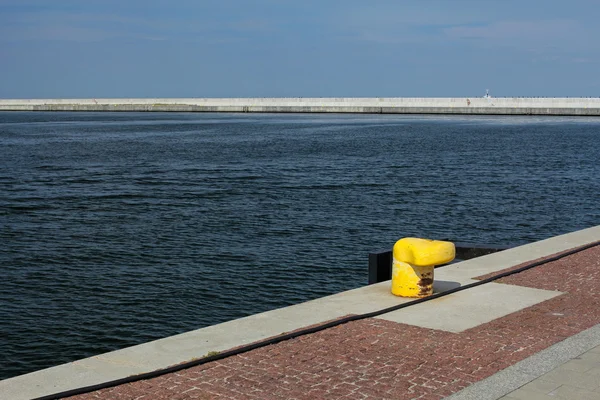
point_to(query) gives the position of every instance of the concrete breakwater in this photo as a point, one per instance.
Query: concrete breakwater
(399, 105)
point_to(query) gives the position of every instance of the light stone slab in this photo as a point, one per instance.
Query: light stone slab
(523, 394)
(573, 378)
(580, 365)
(467, 309)
(569, 392)
(541, 386)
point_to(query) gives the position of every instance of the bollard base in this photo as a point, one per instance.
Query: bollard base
(411, 280)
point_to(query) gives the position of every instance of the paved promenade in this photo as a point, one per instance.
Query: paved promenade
(378, 358)
(530, 335)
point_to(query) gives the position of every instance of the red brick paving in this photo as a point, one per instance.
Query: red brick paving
(377, 359)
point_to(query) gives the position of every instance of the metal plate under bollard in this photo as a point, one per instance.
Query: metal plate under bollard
(413, 264)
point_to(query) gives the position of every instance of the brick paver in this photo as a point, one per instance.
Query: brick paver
(378, 359)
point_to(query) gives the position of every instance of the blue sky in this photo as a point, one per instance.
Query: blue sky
(264, 48)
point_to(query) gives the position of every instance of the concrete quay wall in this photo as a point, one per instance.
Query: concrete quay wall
(458, 105)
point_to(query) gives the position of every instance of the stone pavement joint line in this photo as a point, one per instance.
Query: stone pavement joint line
(379, 359)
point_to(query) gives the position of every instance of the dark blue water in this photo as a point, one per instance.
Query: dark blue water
(116, 229)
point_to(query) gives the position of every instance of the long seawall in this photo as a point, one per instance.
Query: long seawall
(397, 105)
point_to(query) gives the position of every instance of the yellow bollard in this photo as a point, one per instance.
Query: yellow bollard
(414, 260)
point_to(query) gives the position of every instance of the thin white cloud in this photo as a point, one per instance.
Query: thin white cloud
(398, 22)
(550, 40)
(583, 60)
(400, 15)
(68, 26)
(81, 27)
(521, 30)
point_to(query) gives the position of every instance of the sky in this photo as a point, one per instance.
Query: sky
(281, 48)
